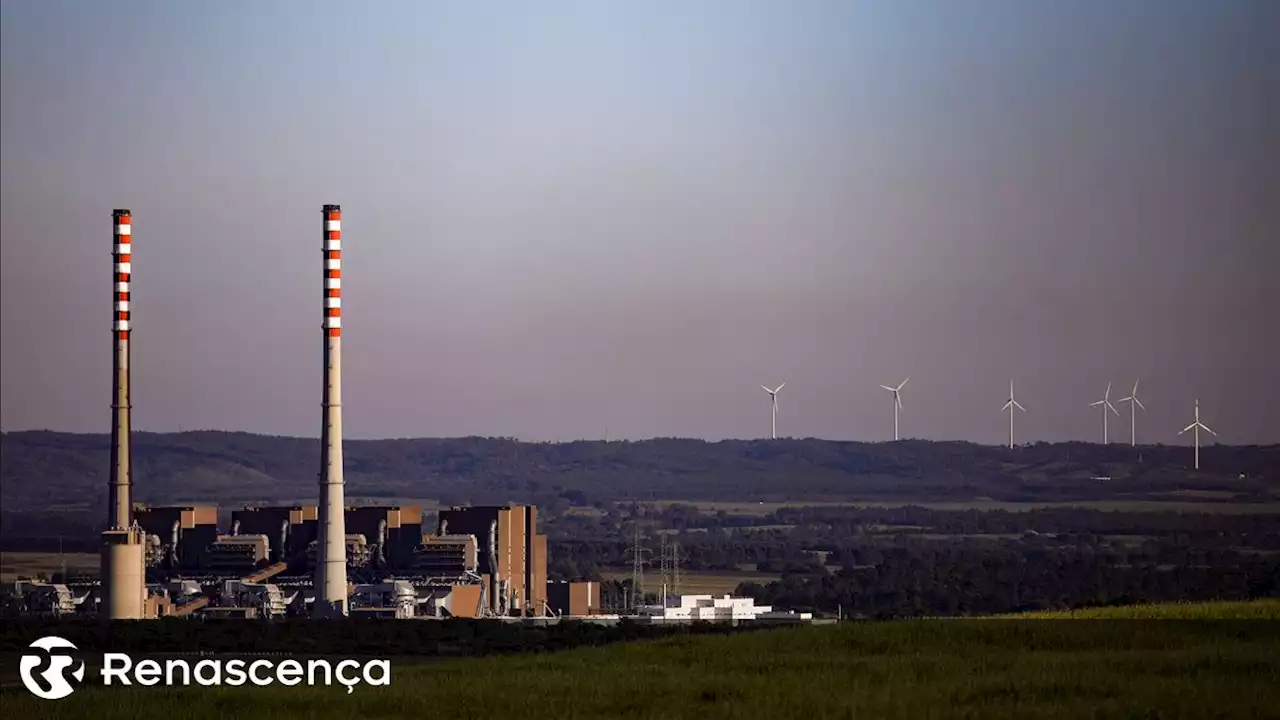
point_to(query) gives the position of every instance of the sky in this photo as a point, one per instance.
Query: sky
(566, 219)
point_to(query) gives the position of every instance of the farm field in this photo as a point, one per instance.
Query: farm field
(993, 668)
(760, 509)
(1268, 609)
(700, 582)
(26, 564)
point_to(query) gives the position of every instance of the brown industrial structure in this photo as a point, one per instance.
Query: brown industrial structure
(164, 560)
(289, 528)
(574, 599)
(510, 552)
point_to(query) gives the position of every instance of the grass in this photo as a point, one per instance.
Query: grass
(1268, 609)
(909, 669)
(25, 564)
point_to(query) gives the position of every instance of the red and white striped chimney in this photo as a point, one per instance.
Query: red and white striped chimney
(331, 573)
(119, 510)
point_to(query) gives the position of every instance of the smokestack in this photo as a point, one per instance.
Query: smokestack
(120, 510)
(331, 574)
(122, 558)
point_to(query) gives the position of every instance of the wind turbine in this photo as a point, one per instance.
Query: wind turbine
(1010, 405)
(1198, 426)
(897, 404)
(1105, 404)
(1134, 404)
(773, 395)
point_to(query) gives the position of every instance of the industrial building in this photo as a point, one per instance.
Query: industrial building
(574, 599)
(177, 536)
(707, 608)
(510, 552)
(325, 560)
(290, 529)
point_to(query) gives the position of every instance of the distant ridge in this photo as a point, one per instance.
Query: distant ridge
(43, 469)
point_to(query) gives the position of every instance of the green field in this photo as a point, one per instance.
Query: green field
(995, 668)
(1242, 610)
(760, 509)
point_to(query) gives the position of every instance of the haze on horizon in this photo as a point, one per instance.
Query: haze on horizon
(566, 216)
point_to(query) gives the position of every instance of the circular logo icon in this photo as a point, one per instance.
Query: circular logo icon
(45, 672)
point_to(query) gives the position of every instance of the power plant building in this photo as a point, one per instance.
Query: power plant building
(509, 552)
(290, 529)
(574, 599)
(179, 535)
(483, 561)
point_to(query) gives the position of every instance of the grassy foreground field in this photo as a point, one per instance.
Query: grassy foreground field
(909, 669)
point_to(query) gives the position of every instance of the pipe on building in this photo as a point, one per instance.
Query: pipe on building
(284, 541)
(175, 536)
(382, 544)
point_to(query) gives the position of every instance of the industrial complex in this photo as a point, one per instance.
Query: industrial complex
(328, 560)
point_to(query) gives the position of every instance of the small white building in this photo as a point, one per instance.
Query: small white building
(688, 608)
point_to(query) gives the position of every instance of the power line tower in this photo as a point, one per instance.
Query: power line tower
(664, 562)
(675, 568)
(638, 551)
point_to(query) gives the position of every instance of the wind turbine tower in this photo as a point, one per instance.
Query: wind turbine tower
(773, 395)
(1134, 404)
(1198, 426)
(897, 403)
(1105, 404)
(1010, 405)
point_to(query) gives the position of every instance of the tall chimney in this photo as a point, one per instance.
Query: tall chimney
(331, 573)
(119, 511)
(122, 559)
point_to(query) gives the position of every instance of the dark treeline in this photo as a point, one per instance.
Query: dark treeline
(39, 470)
(891, 562)
(789, 537)
(922, 580)
(358, 637)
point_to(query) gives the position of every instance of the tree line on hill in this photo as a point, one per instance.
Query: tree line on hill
(42, 469)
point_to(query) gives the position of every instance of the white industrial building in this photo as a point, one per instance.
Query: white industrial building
(688, 608)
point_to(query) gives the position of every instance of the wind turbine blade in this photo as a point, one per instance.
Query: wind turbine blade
(1135, 389)
(1007, 405)
(1107, 394)
(1186, 428)
(1206, 429)
(886, 387)
(1096, 404)
(1113, 408)
(780, 387)
(766, 389)
(904, 383)
(898, 399)
(1018, 405)
(1135, 399)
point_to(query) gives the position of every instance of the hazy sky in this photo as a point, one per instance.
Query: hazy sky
(566, 216)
